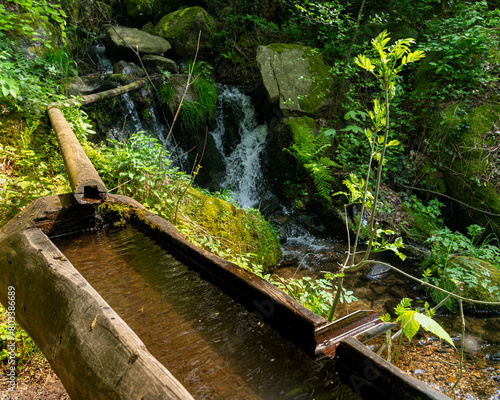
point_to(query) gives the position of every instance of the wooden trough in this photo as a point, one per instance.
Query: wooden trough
(96, 355)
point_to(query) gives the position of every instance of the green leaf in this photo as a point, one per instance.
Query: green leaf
(432, 326)
(408, 323)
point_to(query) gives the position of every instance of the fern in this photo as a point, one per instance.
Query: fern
(308, 151)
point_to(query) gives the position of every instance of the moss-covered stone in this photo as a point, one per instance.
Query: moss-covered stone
(295, 77)
(463, 162)
(182, 27)
(486, 276)
(37, 41)
(237, 231)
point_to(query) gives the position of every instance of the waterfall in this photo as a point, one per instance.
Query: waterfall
(243, 175)
(103, 62)
(132, 122)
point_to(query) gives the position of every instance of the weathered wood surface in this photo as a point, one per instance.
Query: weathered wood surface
(93, 351)
(374, 378)
(85, 182)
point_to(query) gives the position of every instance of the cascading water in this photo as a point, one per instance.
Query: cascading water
(103, 62)
(243, 164)
(132, 122)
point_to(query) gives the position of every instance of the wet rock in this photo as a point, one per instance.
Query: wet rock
(128, 68)
(82, 86)
(155, 64)
(419, 372)
(377, 272)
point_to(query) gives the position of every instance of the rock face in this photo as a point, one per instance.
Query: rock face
(118, 37)
(144, 10)
(296, 77)
(182, 27)
(465, 164)
(154, 64)
(82, 86)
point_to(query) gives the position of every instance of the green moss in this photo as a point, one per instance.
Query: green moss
(322, 83)
(482, 120)
(239, 232)
(114, 213)
(299, 125)
(175, 24)
(281, 47)
(482, 271)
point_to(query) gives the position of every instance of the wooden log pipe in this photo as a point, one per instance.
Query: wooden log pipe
(86, 184)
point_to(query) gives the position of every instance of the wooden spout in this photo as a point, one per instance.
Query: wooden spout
(86, 184)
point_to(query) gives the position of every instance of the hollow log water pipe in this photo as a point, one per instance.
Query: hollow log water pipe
(86, 184)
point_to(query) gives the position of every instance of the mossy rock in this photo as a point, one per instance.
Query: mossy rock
(182, 27)
(465, 161)
(487, 276)
(146, 10)
(295, 77)
(39, 40)
(241, 231)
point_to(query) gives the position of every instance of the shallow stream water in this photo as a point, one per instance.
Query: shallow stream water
(210, 343)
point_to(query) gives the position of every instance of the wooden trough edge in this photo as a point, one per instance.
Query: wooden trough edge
(92, 350)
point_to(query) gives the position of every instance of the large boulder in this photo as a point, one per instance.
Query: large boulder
(85, 85)
(295, 77)
(38, 40)
(463, 162)
(480, 281)
(155, 64)
(182, 27)
(121, 40)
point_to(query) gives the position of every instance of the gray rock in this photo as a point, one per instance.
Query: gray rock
(377, 271)
(154, 64)
(129, 69)
(120, 40)
(295, 77)
(82, 86)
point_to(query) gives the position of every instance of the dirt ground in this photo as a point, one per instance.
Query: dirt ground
(437, 364)
(40, 383)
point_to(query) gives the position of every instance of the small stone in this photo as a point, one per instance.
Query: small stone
(419, 372)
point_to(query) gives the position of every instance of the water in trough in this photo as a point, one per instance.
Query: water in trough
(212, 345)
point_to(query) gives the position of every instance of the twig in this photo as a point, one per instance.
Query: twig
(461, 347)
(188, 83)
(286, 286)
(451, 198)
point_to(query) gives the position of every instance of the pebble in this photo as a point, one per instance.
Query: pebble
(419, 372)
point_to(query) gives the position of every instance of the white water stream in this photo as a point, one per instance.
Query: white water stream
(243, 174)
